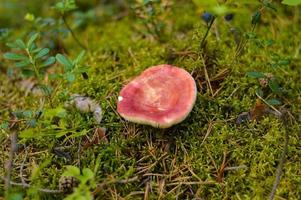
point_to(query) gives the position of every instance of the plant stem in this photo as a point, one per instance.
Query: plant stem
(207, 32)
(72, 33)
(32, 61)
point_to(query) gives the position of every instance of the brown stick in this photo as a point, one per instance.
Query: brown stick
(26, 185)
(9, 164)
(285, 117)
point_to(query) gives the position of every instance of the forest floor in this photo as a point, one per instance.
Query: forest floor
(246, 119)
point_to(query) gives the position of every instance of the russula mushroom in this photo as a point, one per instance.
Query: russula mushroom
(161, 96)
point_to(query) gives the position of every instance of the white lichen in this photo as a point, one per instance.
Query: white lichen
(85, 105)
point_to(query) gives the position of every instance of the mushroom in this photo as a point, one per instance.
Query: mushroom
(161, 96)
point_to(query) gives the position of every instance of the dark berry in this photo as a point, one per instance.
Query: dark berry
(207, 17)
(229, 17)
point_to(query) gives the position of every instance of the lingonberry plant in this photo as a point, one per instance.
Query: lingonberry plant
(149, 12)
(71, 68)
(29, 58)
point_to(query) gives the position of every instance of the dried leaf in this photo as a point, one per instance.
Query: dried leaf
(98, 137)
(259, 110)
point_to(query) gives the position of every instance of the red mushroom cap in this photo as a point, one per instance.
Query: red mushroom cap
(161, 96)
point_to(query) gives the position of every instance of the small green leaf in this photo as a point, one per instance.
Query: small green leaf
(23, 63)
(59, 5)
(64, 61)
(12, 45)
(65, 6)
(146, 2)
(35, 50)
(284, 62)
(27, 73)
(46, 89)
(58, 112)
(87, 175)
(256, 17)
(269, 5)
(42, 53)
(220, 10)
(274, 86)
(54, 76)
(274, 102)
(32, 39)
(27, 113)
(291, 2)
(4, 125)
(255, 74)
(49, 61)
(18, 113)
(70, 77)
(20, 44)
(29, 17)
(72, 171)
(82, 69)
(32, 123)
(14, 56)
(269, 42)
(259, 92)
(79, 57)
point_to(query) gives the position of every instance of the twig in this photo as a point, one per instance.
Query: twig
(194, 183)
(216, 30)
(283, 155)
(210, 126)
(207, 76)
(221, 171)
(79, 152)
(262, 99)
(233, 92)
(26, 185)
(217, 91)
(132, 56)
(243, 44)
(146, 193)
(122, 181)
(297, 51)
(279, 168)
(22, 166)
(9, 164)
(193, 174)
(235, 168)
(135, 178)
